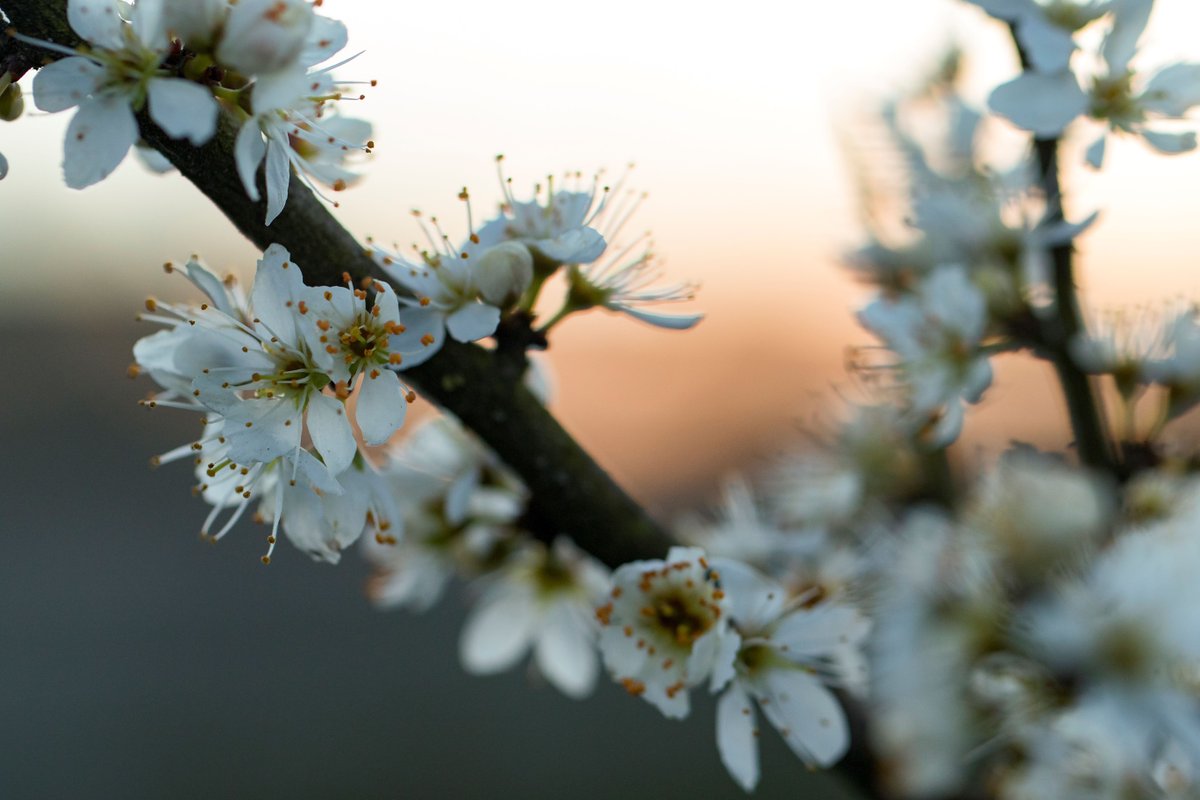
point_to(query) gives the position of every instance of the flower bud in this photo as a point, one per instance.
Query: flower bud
(503, 273)
(265, 35)
(12, 103)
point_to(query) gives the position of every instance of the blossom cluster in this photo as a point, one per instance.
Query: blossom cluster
(1062, 82)
(1028, 633)
(290, 377)
(181, 61)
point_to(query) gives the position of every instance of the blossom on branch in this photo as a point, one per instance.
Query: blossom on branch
(125, 68)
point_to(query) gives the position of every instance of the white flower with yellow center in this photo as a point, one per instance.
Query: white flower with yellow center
(789, 651)
(665, 628)
(249, 368)
(559, 225)
(286, 127)
(356, 346)
(123, 70)
(1113, 94)
(541, 599)
(448, 293)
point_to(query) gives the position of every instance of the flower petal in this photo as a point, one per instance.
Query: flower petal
(1044, 104)
(1129, 21)
(1170, 143)
(806, 714)
(1173, 90)
(754, 599)
(1048, 46)
(498, 631)
(278, 289)
(675, 322)
(183, 109)
(279, 172)
(565, 652)
(98, 21)
(326, 37)
(331, 433)
(382, 406)
(248, 152)
(1095, 151)
(66, 83)
(98, 138)
(424, 334)
(473, 321)
(736, 734)
(576, 246)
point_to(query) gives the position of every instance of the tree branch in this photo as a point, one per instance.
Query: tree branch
(570, 494)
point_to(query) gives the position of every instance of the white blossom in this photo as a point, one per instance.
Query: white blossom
(665, 628)
(120, 73)
(936, 332)
(1115, 94)
(788, 652)
(447, 296)
(542, 598)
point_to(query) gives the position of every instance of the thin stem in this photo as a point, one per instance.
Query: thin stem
(1092, 441)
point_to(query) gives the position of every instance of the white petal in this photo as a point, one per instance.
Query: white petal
(1006, 9)
(806, 714)
(381, 406)
(1169, 143)
(736, 737)
(153, 160)
(473, 321)
(183, 109)
(279, 172)
(329, 426)
(248, 152)
(1129, 21)
(148, 25)
(98, 21)
(820, 630)
(261, 430)
(66, 83)
(456, 504)
(326, 37)
(1044, 104)
(754, 599)
(576, 246)
(564, 651)
(418, 323)
(285, 89)
(675, 322)
(98, 138)
(211, 285)
(311, 472)
(1048, 46)
(498, 631)
(278, 289)
(1173, 90)
(1095, 151)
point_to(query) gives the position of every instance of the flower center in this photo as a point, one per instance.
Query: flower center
(682, 620)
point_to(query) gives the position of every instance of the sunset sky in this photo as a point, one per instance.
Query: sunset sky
(733, 120)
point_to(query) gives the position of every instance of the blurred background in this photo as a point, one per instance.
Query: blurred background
(139, 662)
